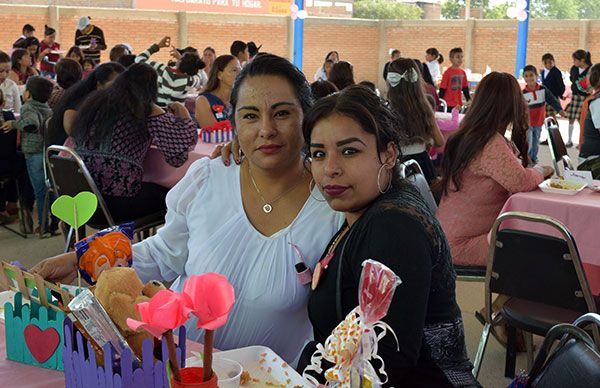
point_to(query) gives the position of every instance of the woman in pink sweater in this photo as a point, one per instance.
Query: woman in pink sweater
(482, 168)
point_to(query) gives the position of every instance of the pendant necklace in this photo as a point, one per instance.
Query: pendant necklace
(268, 205)
(323, 264)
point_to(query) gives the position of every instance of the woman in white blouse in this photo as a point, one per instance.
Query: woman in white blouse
(246, 222)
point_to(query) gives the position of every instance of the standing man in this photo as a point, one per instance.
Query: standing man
(239, 50)
(395, 54)
(90, 39)
(28, 31)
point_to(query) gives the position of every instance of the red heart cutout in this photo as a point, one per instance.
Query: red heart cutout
(41, 344)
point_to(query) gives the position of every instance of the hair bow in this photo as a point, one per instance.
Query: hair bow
(409, 75)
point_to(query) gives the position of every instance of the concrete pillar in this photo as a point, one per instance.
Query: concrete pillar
(383, 57)
(469, 46)
(290, 39)
(584, 29)
(53, 20)
(182, 31)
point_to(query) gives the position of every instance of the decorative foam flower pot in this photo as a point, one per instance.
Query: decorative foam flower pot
(192, 378)
(83, 371)
(33, 333)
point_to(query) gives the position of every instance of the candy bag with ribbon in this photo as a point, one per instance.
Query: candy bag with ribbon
(353, 343)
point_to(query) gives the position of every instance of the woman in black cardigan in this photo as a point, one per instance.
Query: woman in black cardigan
(353, 141)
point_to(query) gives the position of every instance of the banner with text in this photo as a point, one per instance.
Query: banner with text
(268, 7)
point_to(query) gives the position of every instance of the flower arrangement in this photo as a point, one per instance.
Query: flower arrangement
(210, 298)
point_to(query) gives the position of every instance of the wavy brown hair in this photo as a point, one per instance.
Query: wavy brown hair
(218, 65)
(497, 105)
(409, 101)
(342, 75)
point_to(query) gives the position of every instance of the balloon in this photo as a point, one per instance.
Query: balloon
(302, 14)
(512, 12)
(294, 8)
(522, 16)
(521, 4)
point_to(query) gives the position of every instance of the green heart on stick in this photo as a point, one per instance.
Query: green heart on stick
(75, 211)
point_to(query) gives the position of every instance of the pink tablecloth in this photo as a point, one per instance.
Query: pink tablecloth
(15, 374)
(579, 213)
(157, 170)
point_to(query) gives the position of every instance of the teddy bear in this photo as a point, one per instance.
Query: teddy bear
(118, 290)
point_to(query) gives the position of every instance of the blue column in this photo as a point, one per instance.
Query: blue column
(298, 36)
(522, 43)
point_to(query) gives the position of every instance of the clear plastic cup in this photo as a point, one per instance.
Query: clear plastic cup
(228, 372)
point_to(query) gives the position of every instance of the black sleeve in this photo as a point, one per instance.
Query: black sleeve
(560, 82)
(466, 93)
(385, 71)
(77, 35)
(401, 243)
(102, 43)
(441, 93)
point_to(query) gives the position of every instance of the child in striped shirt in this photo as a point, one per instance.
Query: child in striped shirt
(174, 84)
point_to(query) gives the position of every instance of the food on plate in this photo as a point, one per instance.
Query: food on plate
(563, 185)
(245, 378)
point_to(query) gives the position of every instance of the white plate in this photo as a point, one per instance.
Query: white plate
(263, 365)
(576, 186)
(85, 47)
(57, 52)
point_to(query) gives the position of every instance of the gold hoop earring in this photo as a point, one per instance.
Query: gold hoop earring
(310, 189)
(379, 176)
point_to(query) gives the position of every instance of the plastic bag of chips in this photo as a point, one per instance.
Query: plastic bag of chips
(108, 248)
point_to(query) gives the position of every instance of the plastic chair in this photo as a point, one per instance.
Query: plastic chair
(537, 300)
(558, 150)
(70, 177)
(574, 362)
(411, 171)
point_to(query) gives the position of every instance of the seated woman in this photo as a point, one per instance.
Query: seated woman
(22, 67)
(406, 92)
(68, 73)
(353, 139)
(241, 221)
(212, 105)
(481, 168)
(61, 123)
(342, 75)
(177, 82)
(114, 130)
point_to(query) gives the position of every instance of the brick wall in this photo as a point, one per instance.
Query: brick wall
(364, 43)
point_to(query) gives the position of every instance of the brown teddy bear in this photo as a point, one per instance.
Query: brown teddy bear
(119, 289)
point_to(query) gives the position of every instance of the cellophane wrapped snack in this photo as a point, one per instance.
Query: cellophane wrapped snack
(353, 343)
(108, 248)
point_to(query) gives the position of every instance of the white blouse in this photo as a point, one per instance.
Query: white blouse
(207, 230)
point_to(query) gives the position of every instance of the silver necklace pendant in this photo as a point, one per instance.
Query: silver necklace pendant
(267, 208)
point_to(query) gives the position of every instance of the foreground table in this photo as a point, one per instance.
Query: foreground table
(15, 374)
(157, 170)
(579, 213)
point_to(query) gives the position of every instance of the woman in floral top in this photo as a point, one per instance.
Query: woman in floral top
(212, 106)
(116, 127)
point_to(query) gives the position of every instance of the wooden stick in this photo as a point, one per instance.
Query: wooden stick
(173, 355)
(76, 240)
(209, 336)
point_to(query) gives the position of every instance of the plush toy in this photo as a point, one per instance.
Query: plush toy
(119, 289)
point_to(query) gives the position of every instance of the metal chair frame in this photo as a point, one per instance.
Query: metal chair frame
(404, 174)
(444, 105)
(573, 256)
(550, 122)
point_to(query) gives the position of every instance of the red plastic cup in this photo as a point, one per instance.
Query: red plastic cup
(192, 378)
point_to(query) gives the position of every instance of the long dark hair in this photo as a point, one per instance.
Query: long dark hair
(409, 101)
(270, 64)
(327, 57)
(498, 103)
(583, 55)
(76, 50)
(595, 77)
(132, 96)
(16, 57)
(218, 65)
(76, 94)
(362, 105)
(342, 75)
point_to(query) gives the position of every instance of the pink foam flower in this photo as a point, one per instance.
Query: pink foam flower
(166, 310)
(211, 296)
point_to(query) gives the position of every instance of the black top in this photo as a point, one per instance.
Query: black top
(82, 39)
(591, 136)
(553, 80)
(399, 231)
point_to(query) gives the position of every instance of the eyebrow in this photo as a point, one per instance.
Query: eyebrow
(340, 143)
(274, 106)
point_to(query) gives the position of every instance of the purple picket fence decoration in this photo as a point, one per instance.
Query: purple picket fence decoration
(82, 371)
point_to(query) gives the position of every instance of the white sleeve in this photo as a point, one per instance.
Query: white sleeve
(164, 255)
(16, 98)
(594, 111)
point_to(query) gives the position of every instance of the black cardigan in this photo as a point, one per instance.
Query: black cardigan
(399, 231)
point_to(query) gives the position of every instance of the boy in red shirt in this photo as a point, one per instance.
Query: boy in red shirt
(537, 96)
(454, 81)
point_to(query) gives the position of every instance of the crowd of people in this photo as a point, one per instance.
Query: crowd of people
(315, 180)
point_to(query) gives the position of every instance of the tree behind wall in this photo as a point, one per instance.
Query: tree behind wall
(540, 9)
(385, 9)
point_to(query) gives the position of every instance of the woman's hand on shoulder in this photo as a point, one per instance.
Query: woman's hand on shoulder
(227, 150)
(58, 269)
(179, 110)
